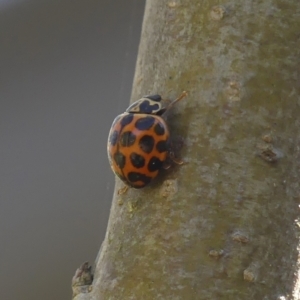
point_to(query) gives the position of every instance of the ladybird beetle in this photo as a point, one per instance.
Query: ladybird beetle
(139, 141)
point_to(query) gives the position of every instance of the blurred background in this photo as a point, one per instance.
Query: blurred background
(66, 70)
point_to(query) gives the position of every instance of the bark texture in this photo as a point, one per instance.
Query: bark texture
(223, 225)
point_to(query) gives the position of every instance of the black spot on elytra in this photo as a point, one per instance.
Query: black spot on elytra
(144, 123)
(137, 160)
(127, 119)
(120, 159)
(113, 138)
(146, 143)
(159, 129)
(135, 176)
(162, 146)
(127, 139)
(154, 164)
(153, 97)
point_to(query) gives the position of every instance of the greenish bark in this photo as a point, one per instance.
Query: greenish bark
(223, 225)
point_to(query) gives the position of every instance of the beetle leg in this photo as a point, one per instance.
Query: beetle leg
(123, 190)
(176, 160)
(174, 148)
(166, 164)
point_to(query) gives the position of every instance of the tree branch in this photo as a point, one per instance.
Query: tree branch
(223, 225)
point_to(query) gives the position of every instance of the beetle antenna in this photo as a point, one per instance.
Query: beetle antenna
(183, 94)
